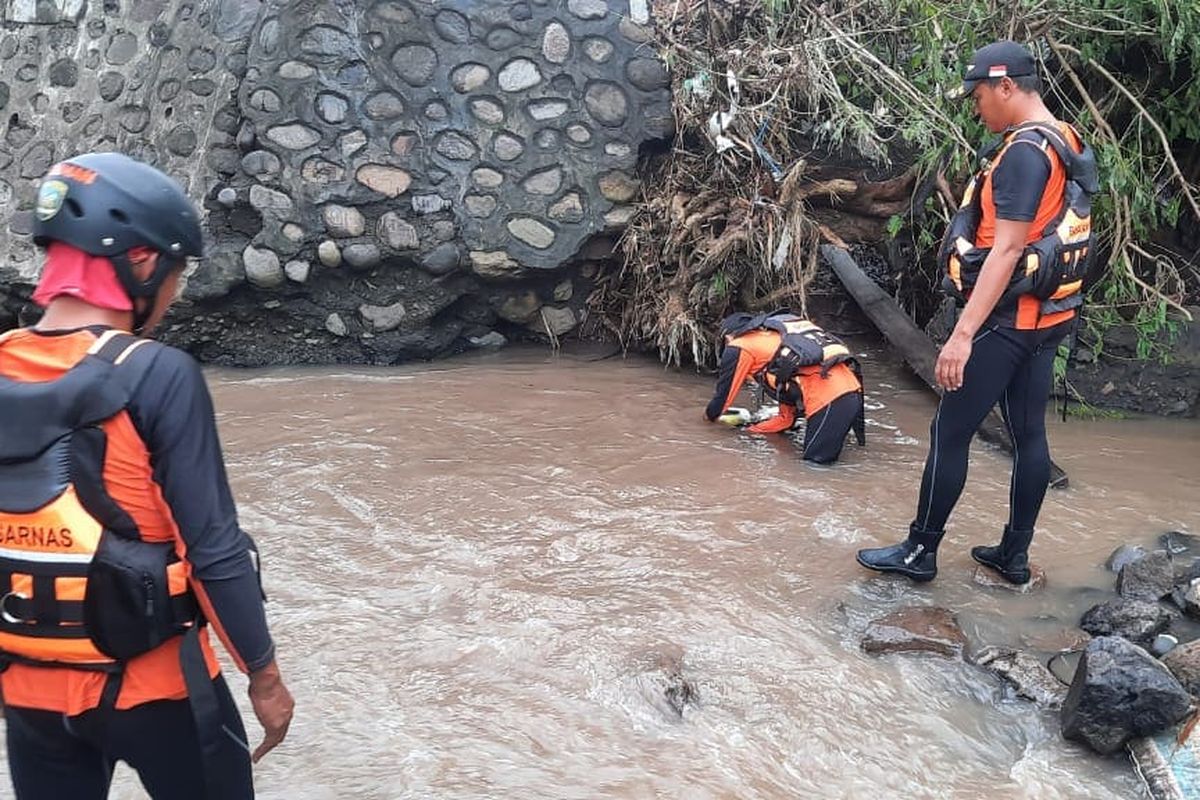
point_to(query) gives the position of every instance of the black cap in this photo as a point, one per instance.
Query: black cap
(996, 60)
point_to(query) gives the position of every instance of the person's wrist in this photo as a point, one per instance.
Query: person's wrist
(266, 677)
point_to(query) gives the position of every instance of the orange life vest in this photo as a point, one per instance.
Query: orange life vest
(80, 587)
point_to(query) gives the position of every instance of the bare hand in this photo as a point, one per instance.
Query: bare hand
(951, 362)
(273, 705)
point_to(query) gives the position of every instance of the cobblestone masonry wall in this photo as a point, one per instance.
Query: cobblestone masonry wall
(383, 179)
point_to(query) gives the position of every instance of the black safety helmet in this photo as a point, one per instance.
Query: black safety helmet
(106, 204)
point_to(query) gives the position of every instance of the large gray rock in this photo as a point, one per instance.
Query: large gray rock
(1148, 578)
(1124, 555)
(1120, 693)
(1138, 621)
(917, 629)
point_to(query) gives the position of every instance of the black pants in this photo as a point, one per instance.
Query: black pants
(825, 432)
(55, 757)
(1014, 368)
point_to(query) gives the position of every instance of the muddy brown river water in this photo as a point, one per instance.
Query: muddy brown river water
(472, 566)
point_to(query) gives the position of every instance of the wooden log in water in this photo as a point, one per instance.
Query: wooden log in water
(913, 344)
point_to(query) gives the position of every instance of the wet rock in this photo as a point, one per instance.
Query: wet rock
(665, 687)
(917, 629)
(227, 196)
(992, 580)
(1120, 692)
(294, 136)
(1149, 578)
(1124, 555)
(618, 186)
(1139, 621)
(1184, 663)
(480, 205)
(519, 307)
(1187, 597)
(544, 182)
(1026, 673)
(383, 318)
(1057, 641)
(507, 147)
(1178, 543)
(265, 199)
(563, 291)
(568, 208)
(469, 77)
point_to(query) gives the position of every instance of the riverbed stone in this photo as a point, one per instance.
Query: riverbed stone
(1180, 543)
(350, 143)
(597, 49)
(396, 232)
(490, 340)
(1120, 692)
(1139, 621)
(1187, 597)
(992, 580)
(262, 267)
(1026, 673)
(916, 629)
(416, 63)
(1149, 578)
(1125, 554)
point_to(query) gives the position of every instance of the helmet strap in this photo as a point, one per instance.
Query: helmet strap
(147, 289)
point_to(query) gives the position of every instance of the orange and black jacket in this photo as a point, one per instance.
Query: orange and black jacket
(747, 356)
(163, 467)
(1026, 183)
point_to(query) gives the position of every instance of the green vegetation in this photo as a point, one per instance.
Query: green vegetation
(803, 84)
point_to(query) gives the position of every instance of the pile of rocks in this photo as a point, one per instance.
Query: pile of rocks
(1137, 671)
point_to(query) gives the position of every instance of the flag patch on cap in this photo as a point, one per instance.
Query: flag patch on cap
(997, 70)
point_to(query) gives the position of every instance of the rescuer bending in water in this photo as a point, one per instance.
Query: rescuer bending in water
(813, 367)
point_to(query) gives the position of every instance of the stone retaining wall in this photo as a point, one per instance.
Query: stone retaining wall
(383, 179)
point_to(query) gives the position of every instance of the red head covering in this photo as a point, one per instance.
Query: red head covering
(70, 272)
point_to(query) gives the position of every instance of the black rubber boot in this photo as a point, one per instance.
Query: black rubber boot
(915, 557)
(1010, 558)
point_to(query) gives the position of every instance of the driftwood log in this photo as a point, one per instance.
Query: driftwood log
(914, 346)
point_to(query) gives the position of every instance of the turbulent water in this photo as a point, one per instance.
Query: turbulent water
(475, 568)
